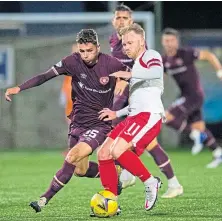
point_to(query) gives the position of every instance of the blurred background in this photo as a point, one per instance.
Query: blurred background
(36, 35)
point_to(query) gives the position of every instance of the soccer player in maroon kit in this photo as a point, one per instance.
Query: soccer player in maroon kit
(94, 90)
(185, 114)
(122, 18)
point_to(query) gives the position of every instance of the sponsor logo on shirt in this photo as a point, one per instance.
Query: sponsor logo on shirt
(177, 70)
(59, 64)
(84, 87)
(83, 75)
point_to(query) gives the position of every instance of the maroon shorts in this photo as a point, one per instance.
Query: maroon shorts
(94, 136)
(187, 109)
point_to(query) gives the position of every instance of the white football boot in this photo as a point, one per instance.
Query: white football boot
(173, 192)
(38, 205)
(217, 155)
(152, 186)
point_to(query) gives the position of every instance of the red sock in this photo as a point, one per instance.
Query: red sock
(108, 175)
(131, 162)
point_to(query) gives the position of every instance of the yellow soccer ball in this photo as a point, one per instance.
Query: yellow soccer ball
(104, 204)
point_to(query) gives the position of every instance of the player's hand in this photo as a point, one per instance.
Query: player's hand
(219, 74)
(122, 74)
(120, 87)
(11, 91)
(106, 114)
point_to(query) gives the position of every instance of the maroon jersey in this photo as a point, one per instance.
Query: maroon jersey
(92, 86)
(117, 50)
(182, 68)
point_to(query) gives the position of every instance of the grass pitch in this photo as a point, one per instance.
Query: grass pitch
(26, 175)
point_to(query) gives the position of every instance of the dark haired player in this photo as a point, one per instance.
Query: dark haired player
(93, 90)
(122, 18)
(185, 113)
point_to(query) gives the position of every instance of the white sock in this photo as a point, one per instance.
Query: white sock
(125, 176)
(149, 181)
(195, 136)
(173, 182)
(217, 152)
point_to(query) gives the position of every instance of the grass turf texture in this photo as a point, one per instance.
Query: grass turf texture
(25, 175)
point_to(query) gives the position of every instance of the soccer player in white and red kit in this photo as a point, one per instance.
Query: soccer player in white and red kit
(145, 113)
(123, 16)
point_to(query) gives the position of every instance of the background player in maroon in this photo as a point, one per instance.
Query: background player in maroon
(93, 90)
(122, 18)
(185, 113)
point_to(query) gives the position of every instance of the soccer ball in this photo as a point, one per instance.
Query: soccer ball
(104, 204)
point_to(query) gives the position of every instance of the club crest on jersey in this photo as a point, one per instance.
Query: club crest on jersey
(179, 61)
(167, 65)
(104, 80)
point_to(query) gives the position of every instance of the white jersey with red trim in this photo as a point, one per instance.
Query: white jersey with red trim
(146, 84)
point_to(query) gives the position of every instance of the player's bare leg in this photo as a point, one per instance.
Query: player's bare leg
(210, 142)
(163, 162)
(63, 176)
(198, 136)
(120, 150)
(182, 126)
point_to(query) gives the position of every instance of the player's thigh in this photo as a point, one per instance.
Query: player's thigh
(148, 134)
(119, 146)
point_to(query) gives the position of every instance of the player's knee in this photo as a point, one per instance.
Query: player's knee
(117, 151)
(80, 172)
(74, 156)
(103, 154)
(169, 117)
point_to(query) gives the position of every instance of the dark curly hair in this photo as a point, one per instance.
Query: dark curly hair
(87, 36)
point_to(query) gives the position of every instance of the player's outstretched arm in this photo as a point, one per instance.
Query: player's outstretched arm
(122, 74)
(33, 82)
(213, 60)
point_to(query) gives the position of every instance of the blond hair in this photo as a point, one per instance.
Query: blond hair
(133, 27)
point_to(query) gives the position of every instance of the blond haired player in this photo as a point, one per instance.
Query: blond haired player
(143, 123)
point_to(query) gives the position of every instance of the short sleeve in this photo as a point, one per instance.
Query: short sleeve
(117, 65)
(65, 66)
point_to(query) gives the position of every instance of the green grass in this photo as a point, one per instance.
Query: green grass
(24, 176)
